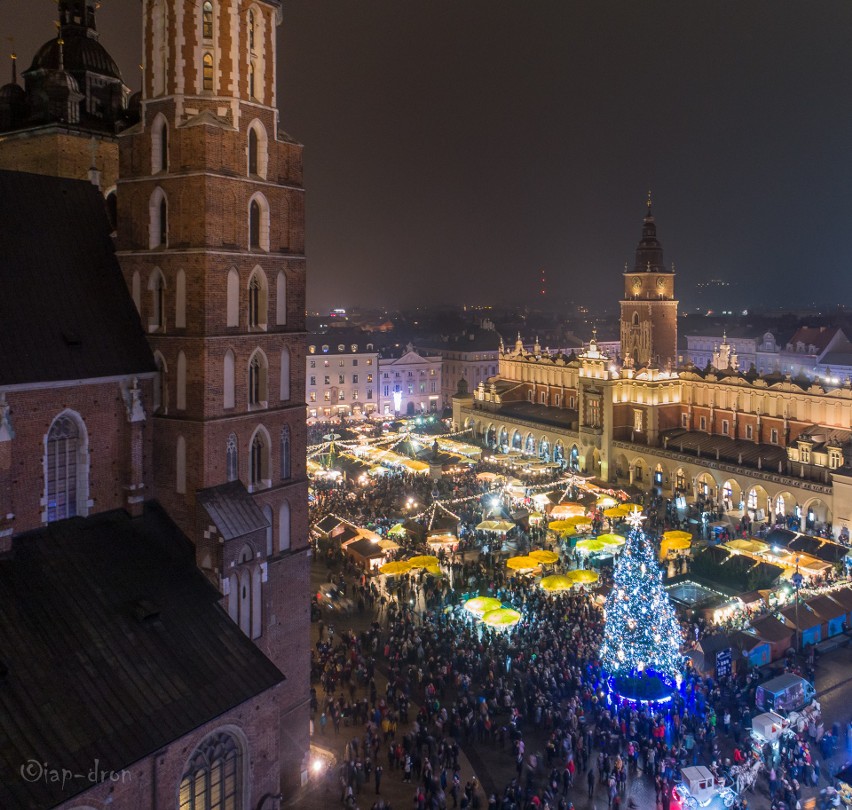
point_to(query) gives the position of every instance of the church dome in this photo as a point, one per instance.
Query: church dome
(12, 93)
(80, 54)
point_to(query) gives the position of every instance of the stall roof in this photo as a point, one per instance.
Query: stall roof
(825, 607)
(771, 629)
(365, 548)
(805, 620)
(843, 597)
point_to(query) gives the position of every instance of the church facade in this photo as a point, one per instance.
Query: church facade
(155, 396)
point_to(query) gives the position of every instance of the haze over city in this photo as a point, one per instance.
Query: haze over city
(454, 150)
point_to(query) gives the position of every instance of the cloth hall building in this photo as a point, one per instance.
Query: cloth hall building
(767, 445)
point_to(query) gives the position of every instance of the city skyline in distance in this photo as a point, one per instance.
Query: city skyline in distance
(455, 151)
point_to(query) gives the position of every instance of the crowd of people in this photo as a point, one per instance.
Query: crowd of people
(532, 699)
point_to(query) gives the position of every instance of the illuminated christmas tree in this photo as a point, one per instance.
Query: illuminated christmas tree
(642, 636)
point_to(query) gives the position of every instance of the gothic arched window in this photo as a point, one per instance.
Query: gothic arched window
(207, 20)
(207, 72)
(254, 225)
(285, 453)
(213, 779)
(232, 471)
(65, 469)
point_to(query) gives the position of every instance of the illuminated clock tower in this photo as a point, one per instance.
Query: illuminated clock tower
(649, 308)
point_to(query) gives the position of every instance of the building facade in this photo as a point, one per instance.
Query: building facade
(222, 297)
(342, 375)
(765, 445)
(471, 356)
(152, 413)
(409, 384)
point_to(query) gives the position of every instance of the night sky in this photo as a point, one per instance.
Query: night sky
(454, 148)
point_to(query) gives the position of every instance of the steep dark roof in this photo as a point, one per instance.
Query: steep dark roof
(67, 312)
(232, 509)
(112, 645)
(534, 412)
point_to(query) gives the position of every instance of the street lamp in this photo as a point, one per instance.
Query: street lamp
(797, 580)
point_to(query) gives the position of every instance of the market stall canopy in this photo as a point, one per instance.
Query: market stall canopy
(396, 567)
(676, 534)
(423, 561)
(500, 526)
(567, 510)
(522, 563)
(611, 540)
(388, 545)
(583, 576)
(606, 501)
(487, 476)
(590, 545)
(398, 531)
(562, 527)
(545, 557)
(502, 617)
(557, 582)
(480, 605)
(747, 546)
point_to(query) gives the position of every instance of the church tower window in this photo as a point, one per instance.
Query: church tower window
(232, 471)
(207, 72)
(207, 20)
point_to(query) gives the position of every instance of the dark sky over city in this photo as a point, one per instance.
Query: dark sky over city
(454, 148)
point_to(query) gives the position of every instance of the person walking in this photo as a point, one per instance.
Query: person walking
(378, 775)
(590, 778)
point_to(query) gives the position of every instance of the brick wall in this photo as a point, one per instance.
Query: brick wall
(102, 409)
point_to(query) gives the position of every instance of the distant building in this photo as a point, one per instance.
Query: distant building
(410, 384)
(471, 356)
(342, 376)
(764, 447)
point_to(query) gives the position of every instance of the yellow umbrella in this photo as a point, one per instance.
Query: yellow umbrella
(434, 570)
(561, 527)
(614, 512)
(522, 563)
(503, 617)
(590, 545)
(423, 561)
(545, 557)
(396, 567)
(583, 576)
(557, 582)
(388, 545)
(611, 539)
(678, 543)
(480, 605)
(676, 534)
(606, 501)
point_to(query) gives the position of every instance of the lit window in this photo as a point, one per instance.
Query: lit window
(213, 779)
(207, 20)
(207, 72)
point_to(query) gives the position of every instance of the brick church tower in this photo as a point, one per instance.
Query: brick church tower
(211, 243)
(649, 308)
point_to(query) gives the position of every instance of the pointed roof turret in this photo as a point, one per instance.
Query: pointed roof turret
(649, 252)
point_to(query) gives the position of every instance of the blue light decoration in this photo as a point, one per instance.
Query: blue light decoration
(640, 652)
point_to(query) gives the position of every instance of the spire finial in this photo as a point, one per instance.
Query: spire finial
(14, 58)
(649, 201)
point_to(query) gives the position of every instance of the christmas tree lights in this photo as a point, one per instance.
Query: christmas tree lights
(642, 635)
